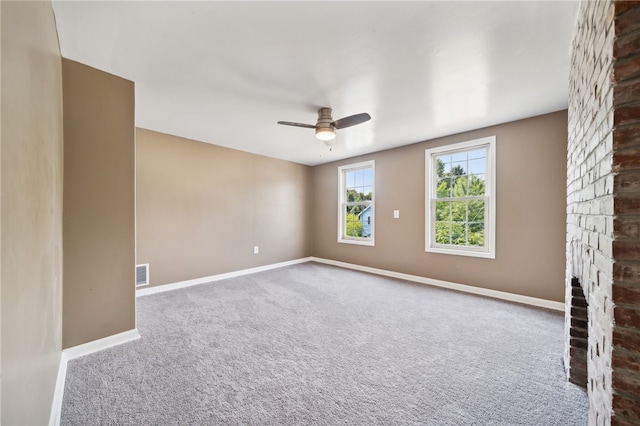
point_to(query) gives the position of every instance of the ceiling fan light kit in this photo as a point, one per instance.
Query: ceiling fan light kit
(326, 135)
(326, 126)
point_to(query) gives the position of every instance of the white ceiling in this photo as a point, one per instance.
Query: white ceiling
(226, 72)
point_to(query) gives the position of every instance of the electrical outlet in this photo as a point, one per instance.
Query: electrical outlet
(256, 249)
(396, 214)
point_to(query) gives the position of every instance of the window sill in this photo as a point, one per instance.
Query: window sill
(461, 252)
(356, 242)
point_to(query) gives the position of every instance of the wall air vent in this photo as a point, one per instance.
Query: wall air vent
(142, 274)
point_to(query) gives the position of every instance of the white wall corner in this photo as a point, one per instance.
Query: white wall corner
(56, 403)
(76, 352)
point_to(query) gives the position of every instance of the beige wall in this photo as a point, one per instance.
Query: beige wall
(99, 204)
(201, 208)
(31, 214)
(531, 197)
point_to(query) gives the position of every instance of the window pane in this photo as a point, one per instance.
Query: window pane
(443, 165)
(477, 166)
(459, 168)
(356, 209)
(358, 194)
(458, 211)
(444, 188)
(365, 220)
(459, 187)
(477, 153)
(368, 177)
(476, 185)
(353, 224)
(476, 211)
(367, 193)
(459, 156)
(444, 158)
(458, 234)
(476, 234)
(443, 211)
(439, 167)
(443, 233)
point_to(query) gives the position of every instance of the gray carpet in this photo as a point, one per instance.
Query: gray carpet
(315, 344)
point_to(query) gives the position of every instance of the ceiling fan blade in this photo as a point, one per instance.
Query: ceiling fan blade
(352, 120)
(289, 123)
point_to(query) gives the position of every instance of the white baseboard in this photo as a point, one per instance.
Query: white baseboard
(101, 344)
(527, 300)
(58, 393)
(76, 352)
(543, 303)
(182, 284)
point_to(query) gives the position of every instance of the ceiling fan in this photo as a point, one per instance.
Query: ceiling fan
(326, 126)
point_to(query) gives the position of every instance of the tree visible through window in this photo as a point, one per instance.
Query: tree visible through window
(356, 203)
(460, 202)
(460, 198)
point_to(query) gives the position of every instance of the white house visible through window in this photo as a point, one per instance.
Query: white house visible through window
(460, 198)
(356, 203)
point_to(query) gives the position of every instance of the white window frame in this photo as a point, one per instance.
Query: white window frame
(342, 170)
(489, 251)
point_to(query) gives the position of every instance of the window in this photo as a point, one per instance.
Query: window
(356, 217)
(460, 198)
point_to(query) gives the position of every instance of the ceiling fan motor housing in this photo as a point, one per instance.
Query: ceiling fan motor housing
(325, 129)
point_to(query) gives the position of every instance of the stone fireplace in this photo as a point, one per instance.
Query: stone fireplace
(602, 350)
